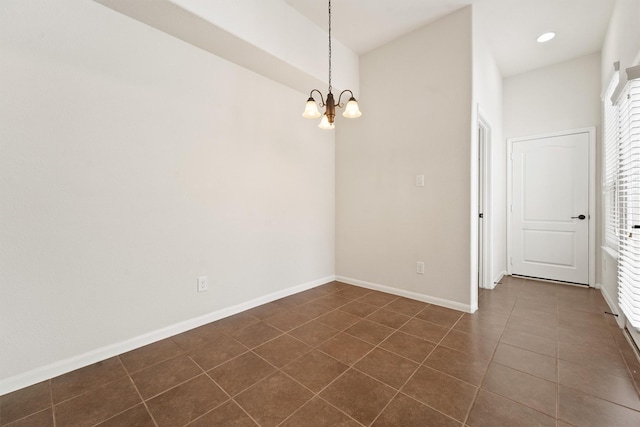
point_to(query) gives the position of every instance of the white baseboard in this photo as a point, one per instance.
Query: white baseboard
(496, 280)
(612, 305)
(7, 385)
(408, 294)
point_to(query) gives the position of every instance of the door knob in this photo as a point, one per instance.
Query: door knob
(580, 217)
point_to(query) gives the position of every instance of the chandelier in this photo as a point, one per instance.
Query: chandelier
(311, 111)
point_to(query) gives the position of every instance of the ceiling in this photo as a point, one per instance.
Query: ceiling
(511, 26)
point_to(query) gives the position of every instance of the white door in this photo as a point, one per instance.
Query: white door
(550, 208)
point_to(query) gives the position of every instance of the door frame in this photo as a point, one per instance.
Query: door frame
(484, 198)
(593, 214)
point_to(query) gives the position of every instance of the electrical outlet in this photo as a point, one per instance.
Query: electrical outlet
(420, 267)
(203, 285)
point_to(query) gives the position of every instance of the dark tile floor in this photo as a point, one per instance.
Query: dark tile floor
(535, 354)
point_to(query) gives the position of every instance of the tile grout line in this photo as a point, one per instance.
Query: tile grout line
(314, 394)
(416, 370)
(53, 407)
(352, 366)
(484, 375)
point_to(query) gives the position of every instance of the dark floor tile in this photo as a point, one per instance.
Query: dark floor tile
(387, 367)
(232, 324)
(217, 352)
(318, 413)
(241, 373)
(360, 396)
(441, 392)
(583, 317)
(551, 308)
(333, 287)
(523, 388)
(188, 401)
(313, 333)
(526, 361)
(345, 348)
(338, 320)
(84, 379)
(425, 330)
(406, 306)
(333, 301)
(475, 345)
(407, 412)
(408, 346)
(545, 318)
(98, 404)
(227, 415)
(315, 293)
(143, 357)
(266, 310)
(273, 399)
(613, 388)
(162, 376)
(256, 334)
(39, 419)
(291, 301)
(358, 308)
(490, 410)
(600, 339)
(581, 409)
(371, 332)
(138, 416)
(378, 299)
(24, 402)
(461, 365)
(354, 292)
(198, 336)
(489, 317)
(314, 309)
(388, 318)
(534, 343)
(288, 320)
(282, 350)
(440, 315)
(595, 358)
(480, 328)
(315, 370)
(532, 327)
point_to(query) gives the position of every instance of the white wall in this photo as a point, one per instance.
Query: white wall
(487, 98)
(554, 98)
(267, 36)
(131, 163)
(622, 43)
(416, 101)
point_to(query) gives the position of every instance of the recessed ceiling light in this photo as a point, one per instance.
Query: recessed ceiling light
(546, 37)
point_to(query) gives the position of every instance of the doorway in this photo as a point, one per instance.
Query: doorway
(551, 206)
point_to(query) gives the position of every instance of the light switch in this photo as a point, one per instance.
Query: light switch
(419, 180)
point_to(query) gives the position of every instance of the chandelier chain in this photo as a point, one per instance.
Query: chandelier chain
(329, 45)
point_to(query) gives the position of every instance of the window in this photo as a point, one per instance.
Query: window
(610, 166)
(628, 194)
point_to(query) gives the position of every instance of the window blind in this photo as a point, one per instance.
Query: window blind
(610, 172)
(628, 189)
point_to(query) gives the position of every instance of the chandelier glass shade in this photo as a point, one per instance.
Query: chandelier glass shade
(311, 110)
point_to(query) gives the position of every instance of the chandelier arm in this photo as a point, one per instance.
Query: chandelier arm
(322, 103)
(340, 104)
